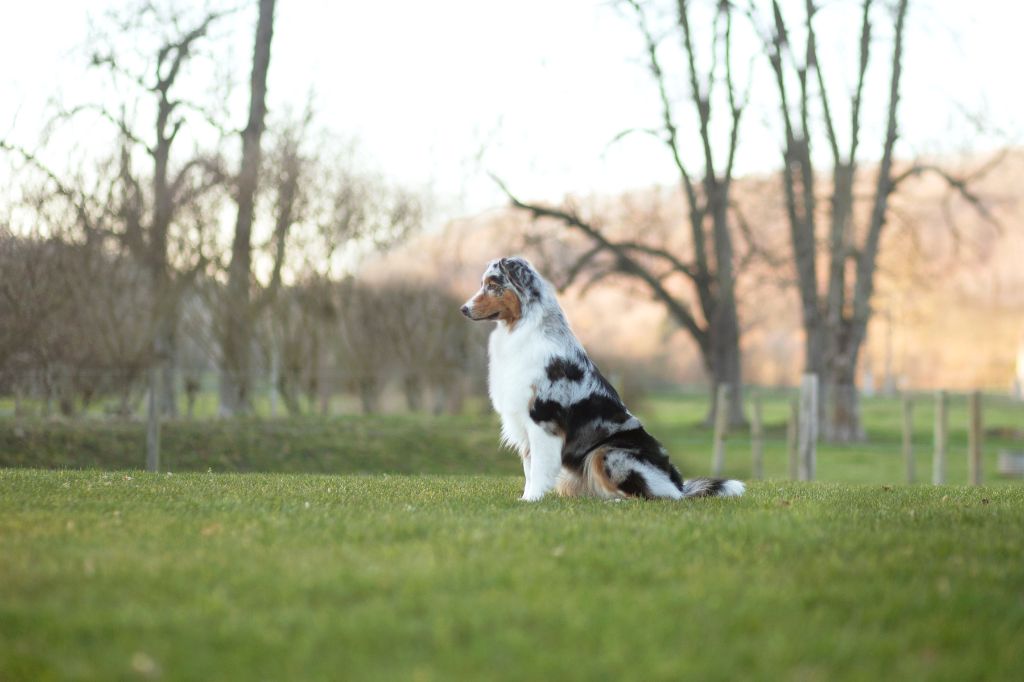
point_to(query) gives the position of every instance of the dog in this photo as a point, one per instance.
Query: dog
(557, 410)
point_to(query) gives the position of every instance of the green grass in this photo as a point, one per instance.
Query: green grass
(113, 575)
(392, 547)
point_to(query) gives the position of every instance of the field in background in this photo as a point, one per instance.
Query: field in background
(108, 575)
(418, 443)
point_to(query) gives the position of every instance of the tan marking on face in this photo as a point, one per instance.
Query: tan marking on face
(505, 305)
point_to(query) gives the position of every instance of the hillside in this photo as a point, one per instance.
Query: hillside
(949, 300)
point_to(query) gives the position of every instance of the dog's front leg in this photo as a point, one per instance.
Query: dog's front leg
(545, 462)
(525, 455)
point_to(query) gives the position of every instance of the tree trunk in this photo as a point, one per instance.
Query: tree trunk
(725, 331)
(842, 419)
(192, 386)
(815, 363)
(287, 389)
(725, 367)
(168, 343)
(369, 395)
(236, 347)
(413, 388)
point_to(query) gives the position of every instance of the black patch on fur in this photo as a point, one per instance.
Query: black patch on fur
(520, 275)
(716, 486)
(595, 407)
(588, 423)
(644, 447)
(548, 411)
(634, 485)
(605, 384)
(564, 368)
(712, 487)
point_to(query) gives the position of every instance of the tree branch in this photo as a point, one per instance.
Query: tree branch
(625, 262)
(866, 263)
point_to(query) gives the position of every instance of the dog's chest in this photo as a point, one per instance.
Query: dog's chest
(515, 366)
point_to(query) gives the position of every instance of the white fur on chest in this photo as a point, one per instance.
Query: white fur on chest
(516, 362)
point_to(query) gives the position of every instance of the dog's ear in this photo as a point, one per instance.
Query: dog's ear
(521, 276)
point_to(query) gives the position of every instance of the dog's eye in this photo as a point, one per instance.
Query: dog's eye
(493, 288)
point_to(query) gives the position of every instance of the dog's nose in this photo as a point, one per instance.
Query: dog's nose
(464, 310)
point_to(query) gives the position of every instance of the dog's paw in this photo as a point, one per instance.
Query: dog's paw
(531, 497)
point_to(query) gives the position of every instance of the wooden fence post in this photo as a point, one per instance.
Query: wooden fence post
(791, 439)
(941, 438)
(721, 427)
(908, 436)
(757, 437)
(808, 427)
(974, 439)
(153, 422)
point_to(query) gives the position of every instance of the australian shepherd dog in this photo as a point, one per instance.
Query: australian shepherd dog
(567, 422)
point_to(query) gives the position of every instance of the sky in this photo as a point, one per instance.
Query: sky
(437, 94)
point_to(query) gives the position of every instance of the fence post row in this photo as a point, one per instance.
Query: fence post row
(721, 426)
(808, 427)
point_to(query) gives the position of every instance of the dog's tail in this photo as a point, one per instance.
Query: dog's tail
(713, 487)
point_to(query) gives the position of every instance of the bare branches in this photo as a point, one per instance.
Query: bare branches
(701, 99)
(961, 186)
(668, 120)
(85, 214)
(579, 266)
(178, 51)
(862, 69)
(866, 263)
(736, 107)
(624, 261)
(814, 63)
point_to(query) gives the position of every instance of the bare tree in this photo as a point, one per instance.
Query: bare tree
(72, 331)
(349, 214)
(709, 267)
(835, 318)
(141, 208)
(236, 353)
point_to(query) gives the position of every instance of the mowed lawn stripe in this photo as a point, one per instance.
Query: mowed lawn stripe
(107, 575)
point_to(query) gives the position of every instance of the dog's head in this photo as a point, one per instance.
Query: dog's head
(507, 288)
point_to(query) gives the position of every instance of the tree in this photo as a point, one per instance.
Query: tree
(709, 268)
(72, 331)
(236, 346)
(836, 309)
(145, 206)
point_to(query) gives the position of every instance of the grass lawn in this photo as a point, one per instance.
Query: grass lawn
(114, 575)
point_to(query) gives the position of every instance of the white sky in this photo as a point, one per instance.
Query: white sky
(439, 92)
